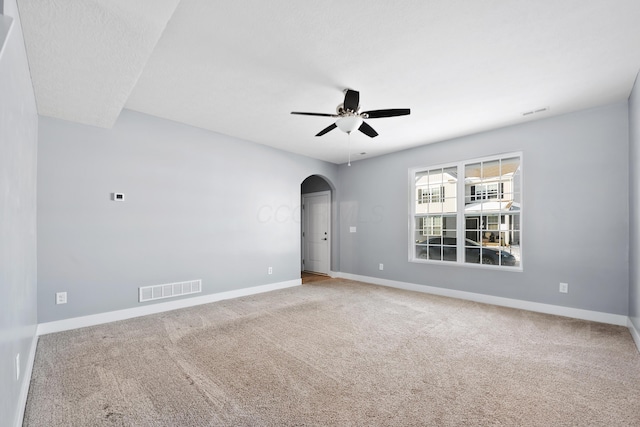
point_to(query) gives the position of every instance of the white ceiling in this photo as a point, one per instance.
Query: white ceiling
(240, 67)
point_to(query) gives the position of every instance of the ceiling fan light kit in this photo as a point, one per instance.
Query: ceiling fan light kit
(349, 117)
(348, 124)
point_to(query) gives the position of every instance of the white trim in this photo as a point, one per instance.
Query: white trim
(576, 313)
(634, 332)
(26, 382)
(305, 225)
(113, 316)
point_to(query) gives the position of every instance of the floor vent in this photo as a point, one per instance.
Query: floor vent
(168, 290)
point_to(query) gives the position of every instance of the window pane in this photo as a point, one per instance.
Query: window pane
(449, 224)
(435, 252)
(511, 179)
(421, 251)
(421, 186)
(449, 187)
(420, 232)
(491, 171)
(510, 166)
(473, 228)
(471, 251)
(472, 177)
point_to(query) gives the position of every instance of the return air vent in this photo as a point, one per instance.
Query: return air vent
(537, 111)
(168, 290)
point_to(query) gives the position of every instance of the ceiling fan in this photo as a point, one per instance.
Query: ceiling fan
(349, 118)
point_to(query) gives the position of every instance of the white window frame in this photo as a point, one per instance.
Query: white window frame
(460, 213)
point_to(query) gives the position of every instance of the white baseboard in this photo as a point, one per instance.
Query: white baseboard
(634, 333)
(576, 313)
(112, 316)
(26, 382)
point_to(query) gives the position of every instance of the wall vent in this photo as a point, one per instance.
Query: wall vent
(168, 290)
(537, 111)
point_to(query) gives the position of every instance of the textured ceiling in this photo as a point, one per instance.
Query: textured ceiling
(239, 68)
(86, 55)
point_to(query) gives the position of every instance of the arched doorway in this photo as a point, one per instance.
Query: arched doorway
(316, 225)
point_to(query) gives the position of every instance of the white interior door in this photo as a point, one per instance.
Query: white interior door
(316, 240)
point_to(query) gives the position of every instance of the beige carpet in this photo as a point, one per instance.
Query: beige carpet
(338, 353)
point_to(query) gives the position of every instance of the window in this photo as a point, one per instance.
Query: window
(472, 220)
(487, 191)
(432, 226)
(432, 194)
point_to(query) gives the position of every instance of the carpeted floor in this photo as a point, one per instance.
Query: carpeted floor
(338, 353)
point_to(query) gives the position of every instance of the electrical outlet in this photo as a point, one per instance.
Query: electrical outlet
(381, 266)
(270, 271)
(564, 288)
(18, 367)
(61, 297)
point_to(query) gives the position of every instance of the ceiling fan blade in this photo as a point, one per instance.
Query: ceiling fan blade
(351, 100)
(375, 114)
(315, 114)
(367, 130)
(327, 129)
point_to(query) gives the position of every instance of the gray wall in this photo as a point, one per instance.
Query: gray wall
(18, 156)
(575, 222)
(634, 203)
(198, 205)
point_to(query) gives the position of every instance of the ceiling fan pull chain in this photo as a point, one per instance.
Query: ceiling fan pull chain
(349, 148)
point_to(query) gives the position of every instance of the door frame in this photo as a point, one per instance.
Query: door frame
(305, 225)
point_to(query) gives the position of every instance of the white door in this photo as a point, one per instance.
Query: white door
(315, 231)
